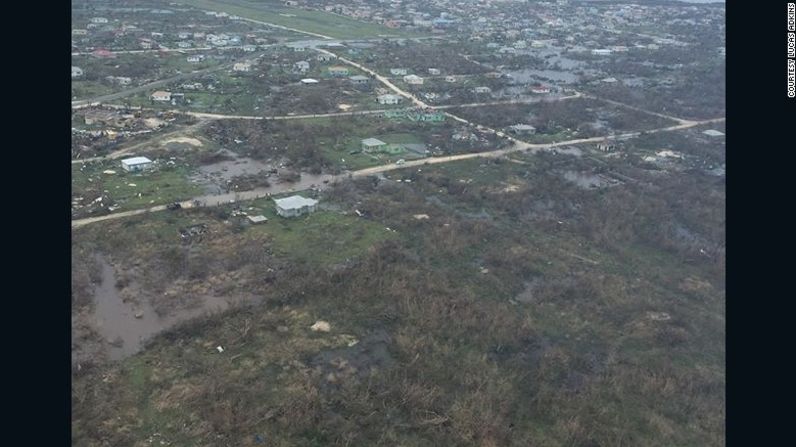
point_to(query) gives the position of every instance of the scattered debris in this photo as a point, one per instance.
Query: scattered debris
(321, 326)
(193, 232)
(659, 316)
(421, 216)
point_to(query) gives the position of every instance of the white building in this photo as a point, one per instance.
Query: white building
(413, 79)
(160, 95)
(522, 129)
(136, 164)
(399, 71)
(249, 48)
(388, 99)
(433, 71)
(601, 52)
(257, 219)
(77, 72)
(242, 66)
(359, 79)
(482, 90)
(309, 81)
(99, 20)
(196, 58)
(302, 66)
(370, 144)
(295, 206)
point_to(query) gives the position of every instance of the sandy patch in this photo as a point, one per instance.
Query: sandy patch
(186, 140)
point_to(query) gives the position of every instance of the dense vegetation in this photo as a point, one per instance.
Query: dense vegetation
(523, 311)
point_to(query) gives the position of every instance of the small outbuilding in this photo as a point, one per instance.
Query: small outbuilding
(413, 79)
(522, 129)
(359, 79)
(257, 219)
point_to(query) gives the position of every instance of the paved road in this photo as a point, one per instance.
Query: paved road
(511, 101)
(161, 50)
(378, 77)
(637, 109)
(223, 116)
(220, 199)
(518, 146)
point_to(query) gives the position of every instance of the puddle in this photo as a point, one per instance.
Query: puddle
(356, 361)
(116, 320)
(306, 182)
(214, 177)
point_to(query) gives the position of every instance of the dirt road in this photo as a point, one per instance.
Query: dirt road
(220, 199)
(128, 149)
(161, 50)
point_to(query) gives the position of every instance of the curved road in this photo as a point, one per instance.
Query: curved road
(220, 199)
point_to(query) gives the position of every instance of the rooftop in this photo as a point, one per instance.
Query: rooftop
(294, 202)
(136, 160)
(373, 142)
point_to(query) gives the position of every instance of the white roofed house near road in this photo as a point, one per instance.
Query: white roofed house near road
(369, 144)
(160, 95)
(295, 206)
(135, 164)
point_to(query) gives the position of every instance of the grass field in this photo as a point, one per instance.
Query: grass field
(506, 328)
(165, 184)
(321, 238)
(332, 25)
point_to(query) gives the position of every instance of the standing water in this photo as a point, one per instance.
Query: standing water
(125, 326)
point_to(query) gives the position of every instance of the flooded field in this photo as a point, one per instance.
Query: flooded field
(125, 325)
(215, 178)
